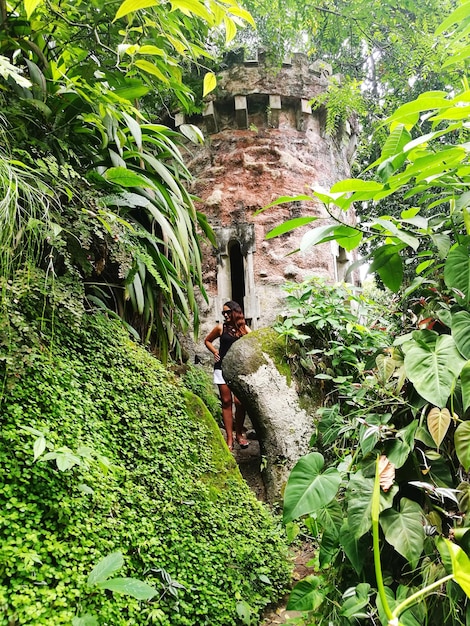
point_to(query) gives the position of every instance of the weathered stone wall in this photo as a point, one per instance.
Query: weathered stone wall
(263, 141)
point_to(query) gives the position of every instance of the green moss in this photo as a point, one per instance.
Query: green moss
(151, 477)
(271, 344)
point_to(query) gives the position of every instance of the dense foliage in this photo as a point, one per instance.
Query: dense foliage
(102, 451)
(89, 183)
(391, 511)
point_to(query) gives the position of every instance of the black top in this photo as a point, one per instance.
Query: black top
(227, 338)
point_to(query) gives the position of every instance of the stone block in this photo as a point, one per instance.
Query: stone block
(179, 119)
(210, 119)
(241, 111)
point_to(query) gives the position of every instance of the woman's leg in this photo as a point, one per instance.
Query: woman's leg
(227, 412)
(239, 422)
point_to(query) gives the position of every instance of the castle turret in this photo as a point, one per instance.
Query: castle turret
(263, 141)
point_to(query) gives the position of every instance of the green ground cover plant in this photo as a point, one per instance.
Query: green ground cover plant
(102, 451)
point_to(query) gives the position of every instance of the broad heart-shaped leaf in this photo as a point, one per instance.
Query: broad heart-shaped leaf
(465, 385)
(461, 332)
(389, 265)
(457, 272)
(307, 595)
(462, 444)
(355, 549)
(308, 489)
(404, 529)
(129, 587)
(359, 496)
(438, 424)
(460, 562)
(105, 568)
(432, 363)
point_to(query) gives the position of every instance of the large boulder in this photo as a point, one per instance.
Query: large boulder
(283, 420)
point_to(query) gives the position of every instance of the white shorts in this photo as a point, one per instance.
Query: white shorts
(218, 378)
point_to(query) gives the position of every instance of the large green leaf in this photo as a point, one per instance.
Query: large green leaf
(105, 568)
(460, 562)
(126, 178)
(307, 595)
(389, 265)
(287, 227)
(355, 549)
(438, 424)
(462, 444)
(359, 496)
(403, 529)
(308, 489)
(432, 363)
(130, 587)
(461, 332)
(465, 385)
(457, 271)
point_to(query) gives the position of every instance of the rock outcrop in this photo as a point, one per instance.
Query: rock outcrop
(283, 421)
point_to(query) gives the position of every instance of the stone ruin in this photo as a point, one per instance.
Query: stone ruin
(264, 141)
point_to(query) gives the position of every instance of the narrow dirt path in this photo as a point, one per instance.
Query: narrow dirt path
(249, 462)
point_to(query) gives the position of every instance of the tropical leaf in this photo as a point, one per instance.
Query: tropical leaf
(355, 549)
(459, 560)
(129, 6)
(356, 184)
(306, 595)
(457, 272)
(308, 489)
(127, 178)
(465, 385)
(438, 424)
(462, 444)
(290, 225)
(403, 529)
(460, 332)
(105, 568)
(389, 265)
(209, 83)
(360, 490)
(432, 363)
(130, 587)
(30, 6)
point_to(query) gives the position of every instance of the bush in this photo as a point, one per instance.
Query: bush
(98, 455)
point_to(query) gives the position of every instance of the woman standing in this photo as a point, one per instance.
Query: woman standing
(232, 328)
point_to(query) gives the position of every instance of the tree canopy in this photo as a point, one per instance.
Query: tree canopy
(92, 185)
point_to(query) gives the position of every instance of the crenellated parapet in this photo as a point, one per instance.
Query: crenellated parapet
(253, 94)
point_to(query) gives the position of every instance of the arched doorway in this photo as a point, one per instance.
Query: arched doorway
(237, 272)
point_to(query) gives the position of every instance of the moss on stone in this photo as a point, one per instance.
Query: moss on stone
(271, 344)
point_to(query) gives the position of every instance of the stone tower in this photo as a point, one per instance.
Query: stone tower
(264, 141)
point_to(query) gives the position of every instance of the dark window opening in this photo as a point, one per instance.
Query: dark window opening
(237, 272)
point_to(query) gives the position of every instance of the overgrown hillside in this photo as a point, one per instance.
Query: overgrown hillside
(101, 451)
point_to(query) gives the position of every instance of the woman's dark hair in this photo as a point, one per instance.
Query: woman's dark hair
(237, 317)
